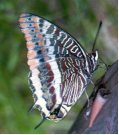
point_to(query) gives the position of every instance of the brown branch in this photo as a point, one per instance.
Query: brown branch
(107, 119)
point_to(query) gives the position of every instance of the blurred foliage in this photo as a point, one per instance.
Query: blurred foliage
(78, 17)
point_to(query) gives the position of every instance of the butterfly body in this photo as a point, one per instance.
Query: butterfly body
(60, 69)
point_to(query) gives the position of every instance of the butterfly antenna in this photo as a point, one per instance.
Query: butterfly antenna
(100, 24)
(41, 122)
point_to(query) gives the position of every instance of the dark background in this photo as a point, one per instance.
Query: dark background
(80, 18)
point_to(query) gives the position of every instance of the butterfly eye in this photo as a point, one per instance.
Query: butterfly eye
(94, 54)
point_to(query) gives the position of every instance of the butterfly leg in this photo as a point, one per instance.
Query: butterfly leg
(89, 101)
(92, 83)
(88, 108)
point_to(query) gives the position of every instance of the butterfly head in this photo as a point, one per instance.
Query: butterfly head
(94, 59)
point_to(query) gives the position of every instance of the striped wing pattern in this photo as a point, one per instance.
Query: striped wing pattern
(57, 62)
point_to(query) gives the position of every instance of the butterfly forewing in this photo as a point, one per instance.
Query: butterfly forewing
(57, 64)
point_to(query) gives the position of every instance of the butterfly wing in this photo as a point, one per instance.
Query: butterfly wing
(56, 77)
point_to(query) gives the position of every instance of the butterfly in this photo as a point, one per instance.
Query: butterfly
(60, 69)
